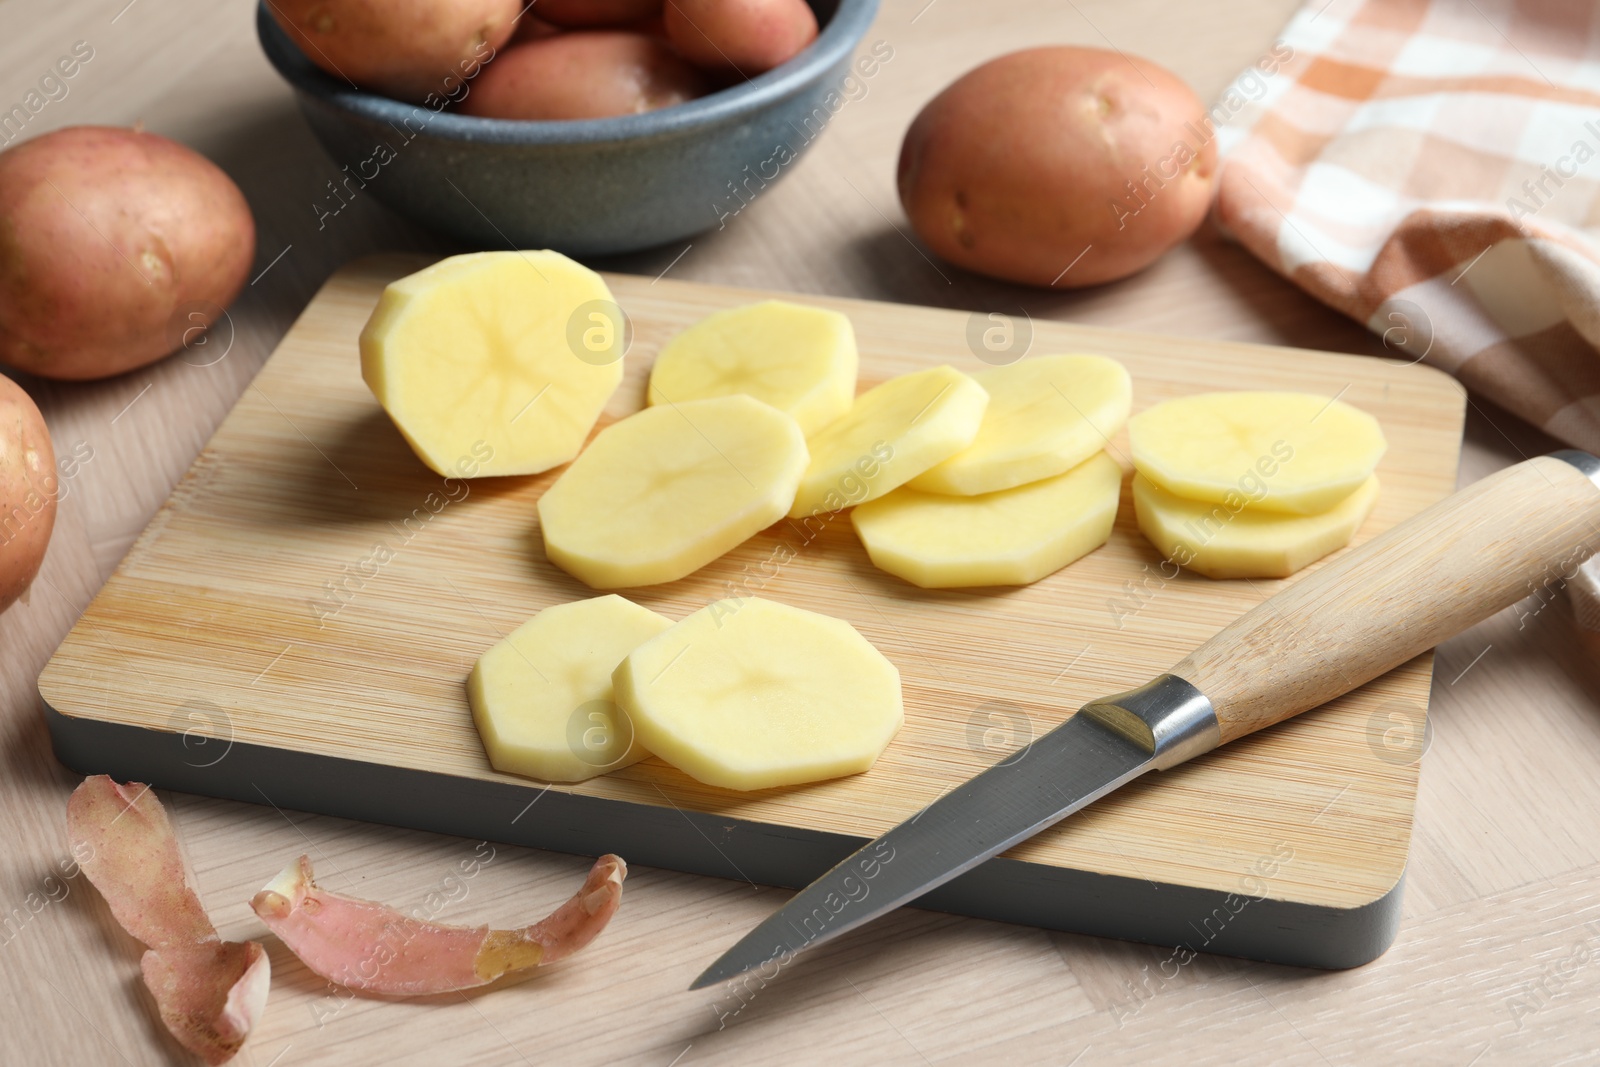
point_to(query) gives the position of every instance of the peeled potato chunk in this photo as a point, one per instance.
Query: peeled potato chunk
(1012, 537)
(1045, 416)
(542, 698)
(749, 694)
(494, 363)
(801, 360)
(1295, 453)
(1218, 542)
(891, 434)
(669, 489)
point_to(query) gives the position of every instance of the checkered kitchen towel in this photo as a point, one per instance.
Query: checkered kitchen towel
(1432, 169)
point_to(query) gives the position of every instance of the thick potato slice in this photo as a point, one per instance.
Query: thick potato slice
(891, 434)
(494, 363)
(749, 693)
(669, 489)
(1012, 537)
(1045, 416)
(1218, 542)
(542, 698)
(1283, 452)
(801, 360)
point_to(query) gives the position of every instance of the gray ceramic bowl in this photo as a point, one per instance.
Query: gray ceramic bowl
(587, 187)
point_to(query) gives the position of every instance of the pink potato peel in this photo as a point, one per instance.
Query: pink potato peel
(374, 948)
(210, 992)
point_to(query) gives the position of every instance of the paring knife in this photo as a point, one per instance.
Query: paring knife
(1398, 595)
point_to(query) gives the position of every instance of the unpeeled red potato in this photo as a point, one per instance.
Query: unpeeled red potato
(1058, 166)
(654, 26)
(28, 490)
(407, 49)
(114, 245)
(533, 28)
(750, 36)
(583, 14)
(589, 74)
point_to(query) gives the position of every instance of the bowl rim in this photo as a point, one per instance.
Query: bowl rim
(833, 45)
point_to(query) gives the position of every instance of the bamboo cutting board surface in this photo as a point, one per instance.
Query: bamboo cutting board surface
(219, 622)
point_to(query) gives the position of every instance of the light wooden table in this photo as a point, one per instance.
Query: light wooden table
(1498, 960)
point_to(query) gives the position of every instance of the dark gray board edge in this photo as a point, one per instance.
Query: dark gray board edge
(1130, 909)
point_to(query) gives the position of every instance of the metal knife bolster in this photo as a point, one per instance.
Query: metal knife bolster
(1167, 717)
(1589, 465)
(1174, 721)
(1376, 606)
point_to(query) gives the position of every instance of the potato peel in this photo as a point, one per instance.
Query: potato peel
(371, 947)
(186, 981)
(210, 992)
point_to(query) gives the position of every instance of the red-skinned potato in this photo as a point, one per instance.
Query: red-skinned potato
(1033, 160)
(587, 74)
(28, 490)
(407, 49)
(750, 36)
(654, 26)
(589, 14)
(530, 28)
(115, 245)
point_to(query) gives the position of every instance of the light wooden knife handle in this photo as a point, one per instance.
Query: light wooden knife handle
(1406, 590)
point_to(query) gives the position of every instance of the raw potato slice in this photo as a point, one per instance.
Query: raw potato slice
(1045, 416)
(1297, 453)
(669, 489)
(891, 434)
(1012, 537)
(749, 694)
(494, 363)
(801, 360)
(542, 697)
(1219, 543)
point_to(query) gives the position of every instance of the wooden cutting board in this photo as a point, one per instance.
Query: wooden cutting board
(258, 643)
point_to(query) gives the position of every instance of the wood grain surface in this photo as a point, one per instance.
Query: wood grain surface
(1495, 962)
(258, 608)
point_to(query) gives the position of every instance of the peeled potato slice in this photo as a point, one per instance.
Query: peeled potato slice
(801, 360)
(494, 363)
(669, 489)
(1222, 543)
(542, 697)
(1012, 537)
(1284, 452)
(748, 694)
(1045, 416)
(891, 434)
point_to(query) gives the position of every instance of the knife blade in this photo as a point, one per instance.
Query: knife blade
(1356, 617)
(1075, 764)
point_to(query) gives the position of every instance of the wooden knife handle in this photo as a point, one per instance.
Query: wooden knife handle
(1429, 578)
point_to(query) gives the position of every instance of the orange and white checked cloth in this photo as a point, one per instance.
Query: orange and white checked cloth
(1432, 169)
